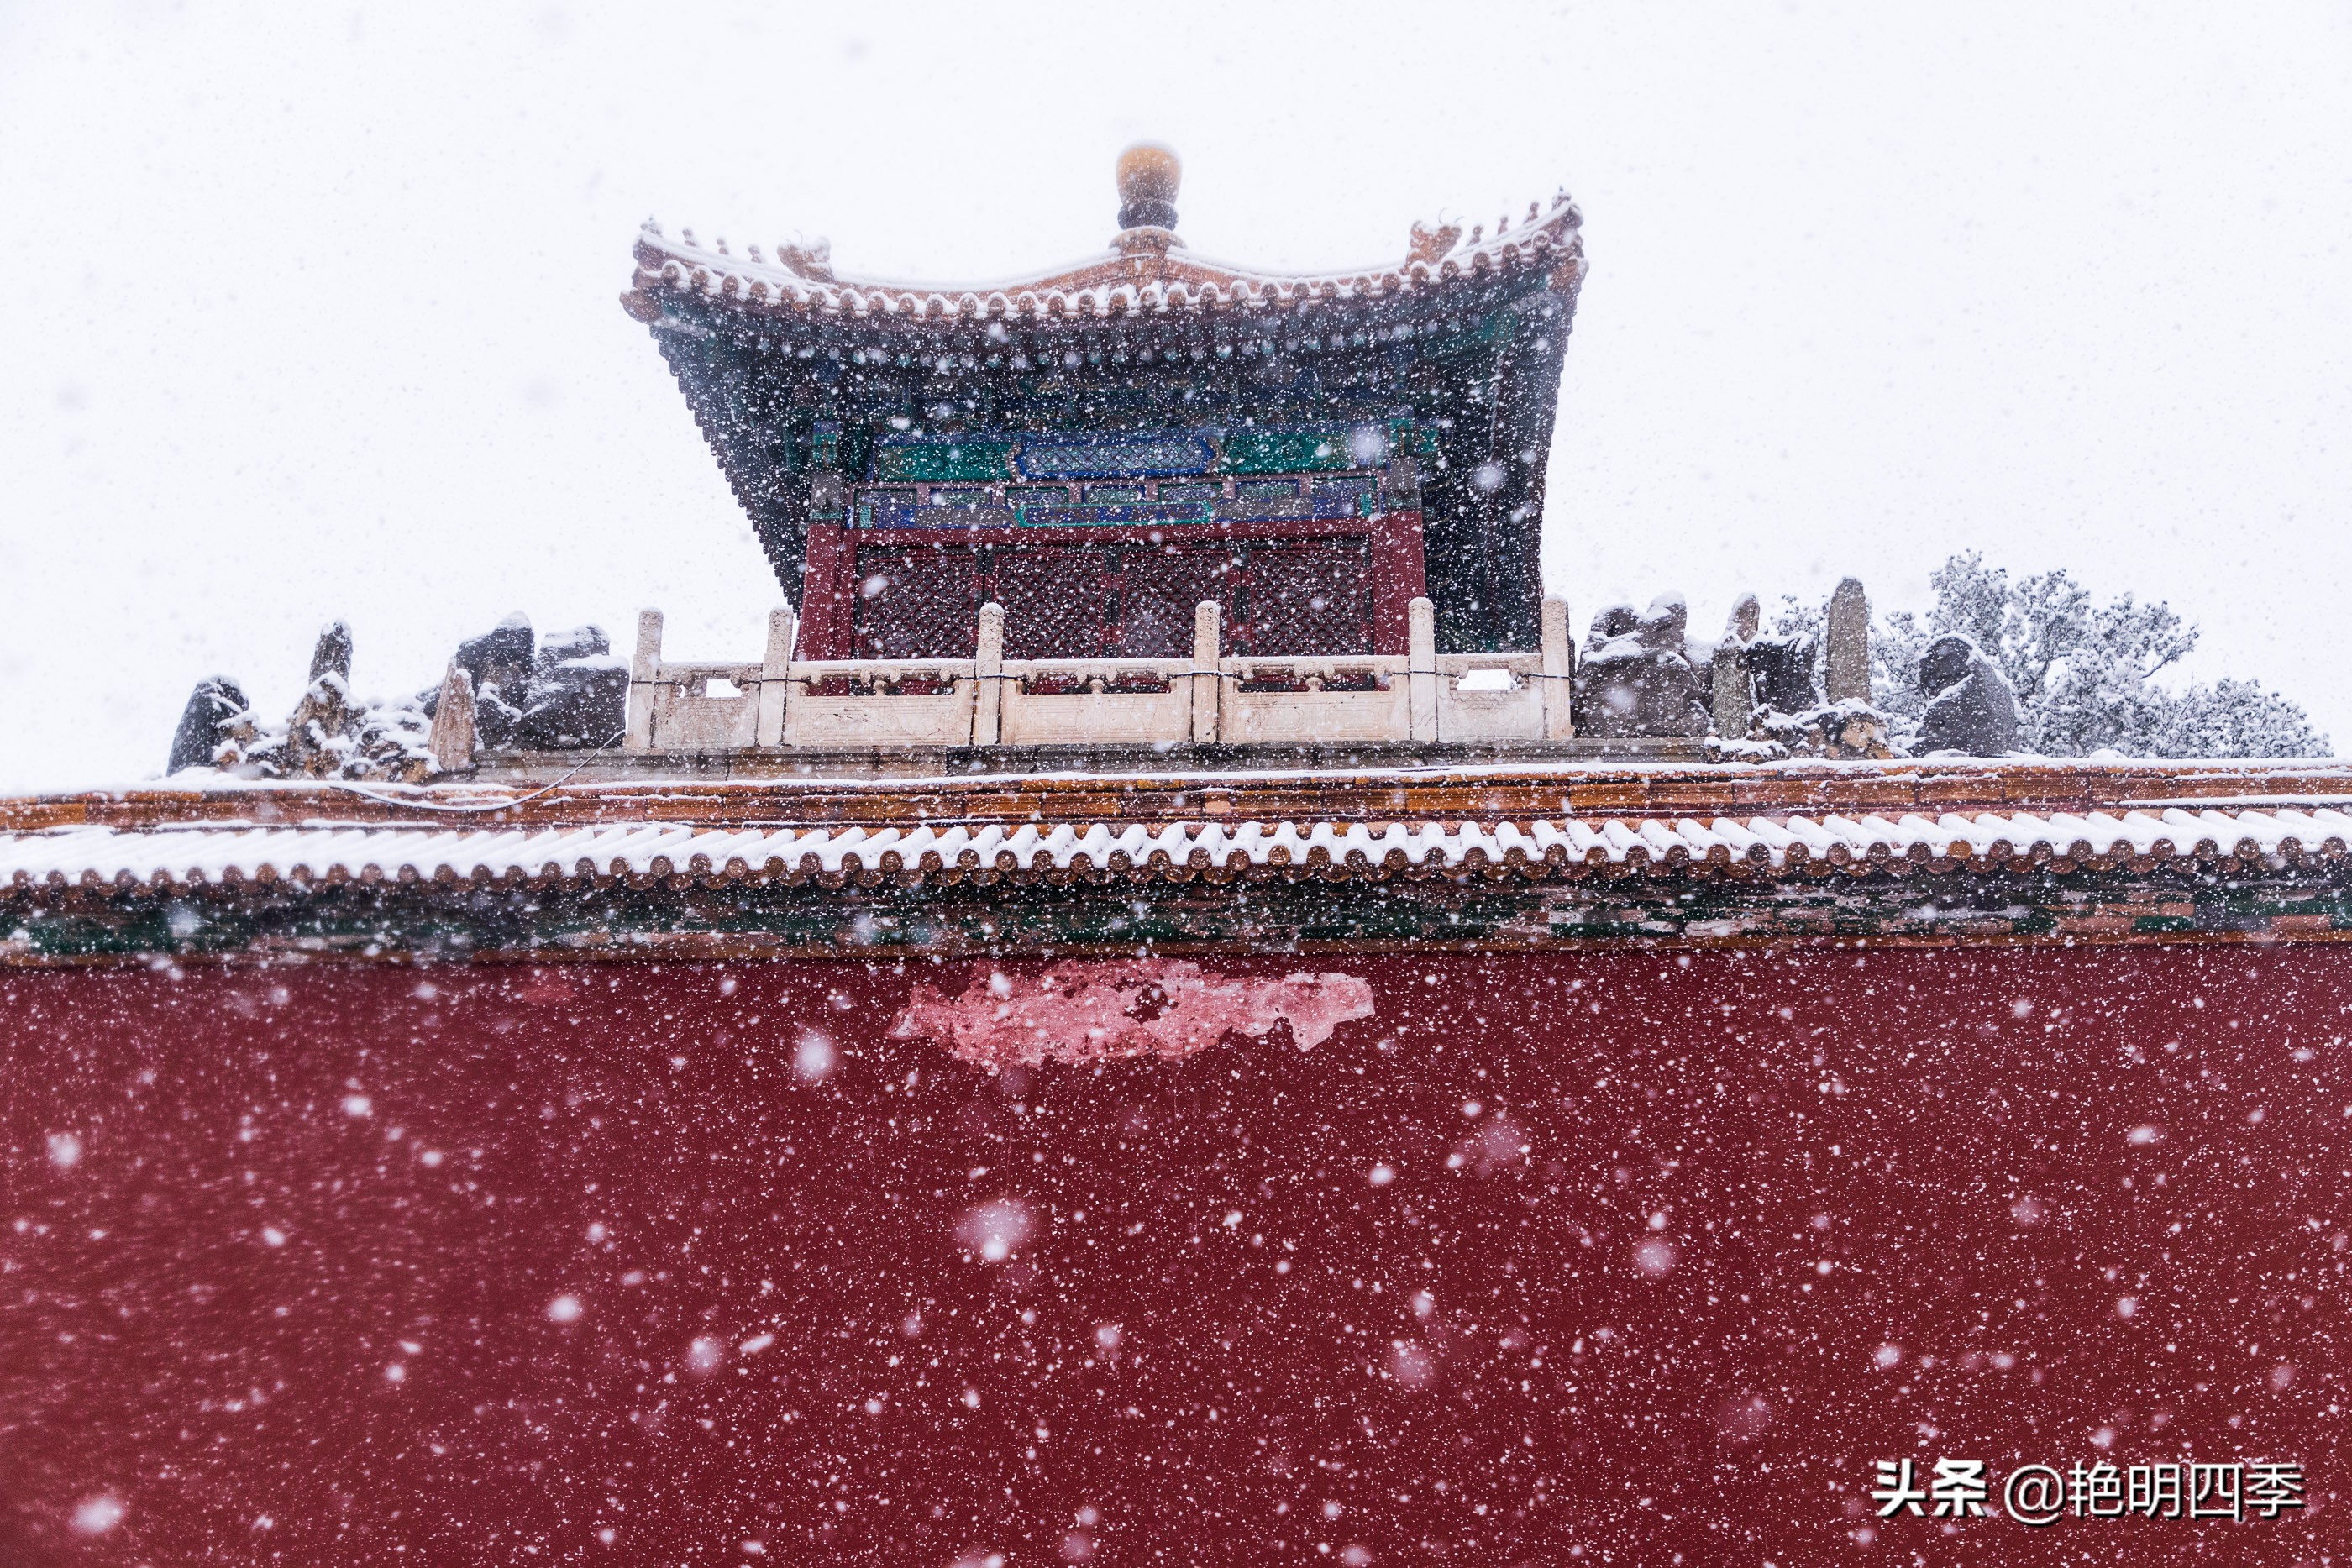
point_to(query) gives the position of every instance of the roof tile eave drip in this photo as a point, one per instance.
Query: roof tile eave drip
(186, 854)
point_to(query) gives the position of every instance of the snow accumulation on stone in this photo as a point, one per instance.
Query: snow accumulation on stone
(566, 691)
(1085, 1012)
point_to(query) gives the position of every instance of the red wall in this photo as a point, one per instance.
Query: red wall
(1893, 1206)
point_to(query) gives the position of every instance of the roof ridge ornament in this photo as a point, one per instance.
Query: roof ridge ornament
(1430, 245)
(812, 260)
(1149, 174)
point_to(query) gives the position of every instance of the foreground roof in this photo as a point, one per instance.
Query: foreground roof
(1502, 858)
(1787, 846)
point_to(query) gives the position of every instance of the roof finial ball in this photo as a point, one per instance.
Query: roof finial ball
(1148, 174)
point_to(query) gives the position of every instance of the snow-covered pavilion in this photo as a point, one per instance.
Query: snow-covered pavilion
(1100, 447)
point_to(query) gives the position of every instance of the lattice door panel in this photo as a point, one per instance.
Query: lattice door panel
(916, 604)
(1054, 602)
(1310, 598)
(1161, 589)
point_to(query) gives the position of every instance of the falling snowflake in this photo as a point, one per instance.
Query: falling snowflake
(994, 1230)
(97, 1515)
(812, 1056)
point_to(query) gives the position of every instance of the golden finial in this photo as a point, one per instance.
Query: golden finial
(1148, 174)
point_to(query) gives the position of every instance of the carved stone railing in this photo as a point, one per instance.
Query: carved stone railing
(835, 705)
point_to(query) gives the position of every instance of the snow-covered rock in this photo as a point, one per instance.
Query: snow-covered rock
(1635, 678)
(1972, 709)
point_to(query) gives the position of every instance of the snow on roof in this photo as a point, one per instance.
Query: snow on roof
(182, 856)
(1146, 271)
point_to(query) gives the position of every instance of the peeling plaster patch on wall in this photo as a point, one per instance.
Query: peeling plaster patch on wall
(1080, 1012)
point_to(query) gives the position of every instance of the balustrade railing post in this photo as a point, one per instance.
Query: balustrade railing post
(1207, 664)
(776, 676)
(645, 672)
(1559, 672)
(988, 670)
(1420, 670)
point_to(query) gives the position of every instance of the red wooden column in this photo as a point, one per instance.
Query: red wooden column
(1397, 578)
(828, 602)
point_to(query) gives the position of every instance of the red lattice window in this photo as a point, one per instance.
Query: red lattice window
(1313, 599)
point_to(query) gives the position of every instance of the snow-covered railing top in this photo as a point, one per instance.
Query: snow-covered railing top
(187, 856)
(785, 704)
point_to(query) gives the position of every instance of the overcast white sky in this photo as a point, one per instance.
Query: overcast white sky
(312, 308)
